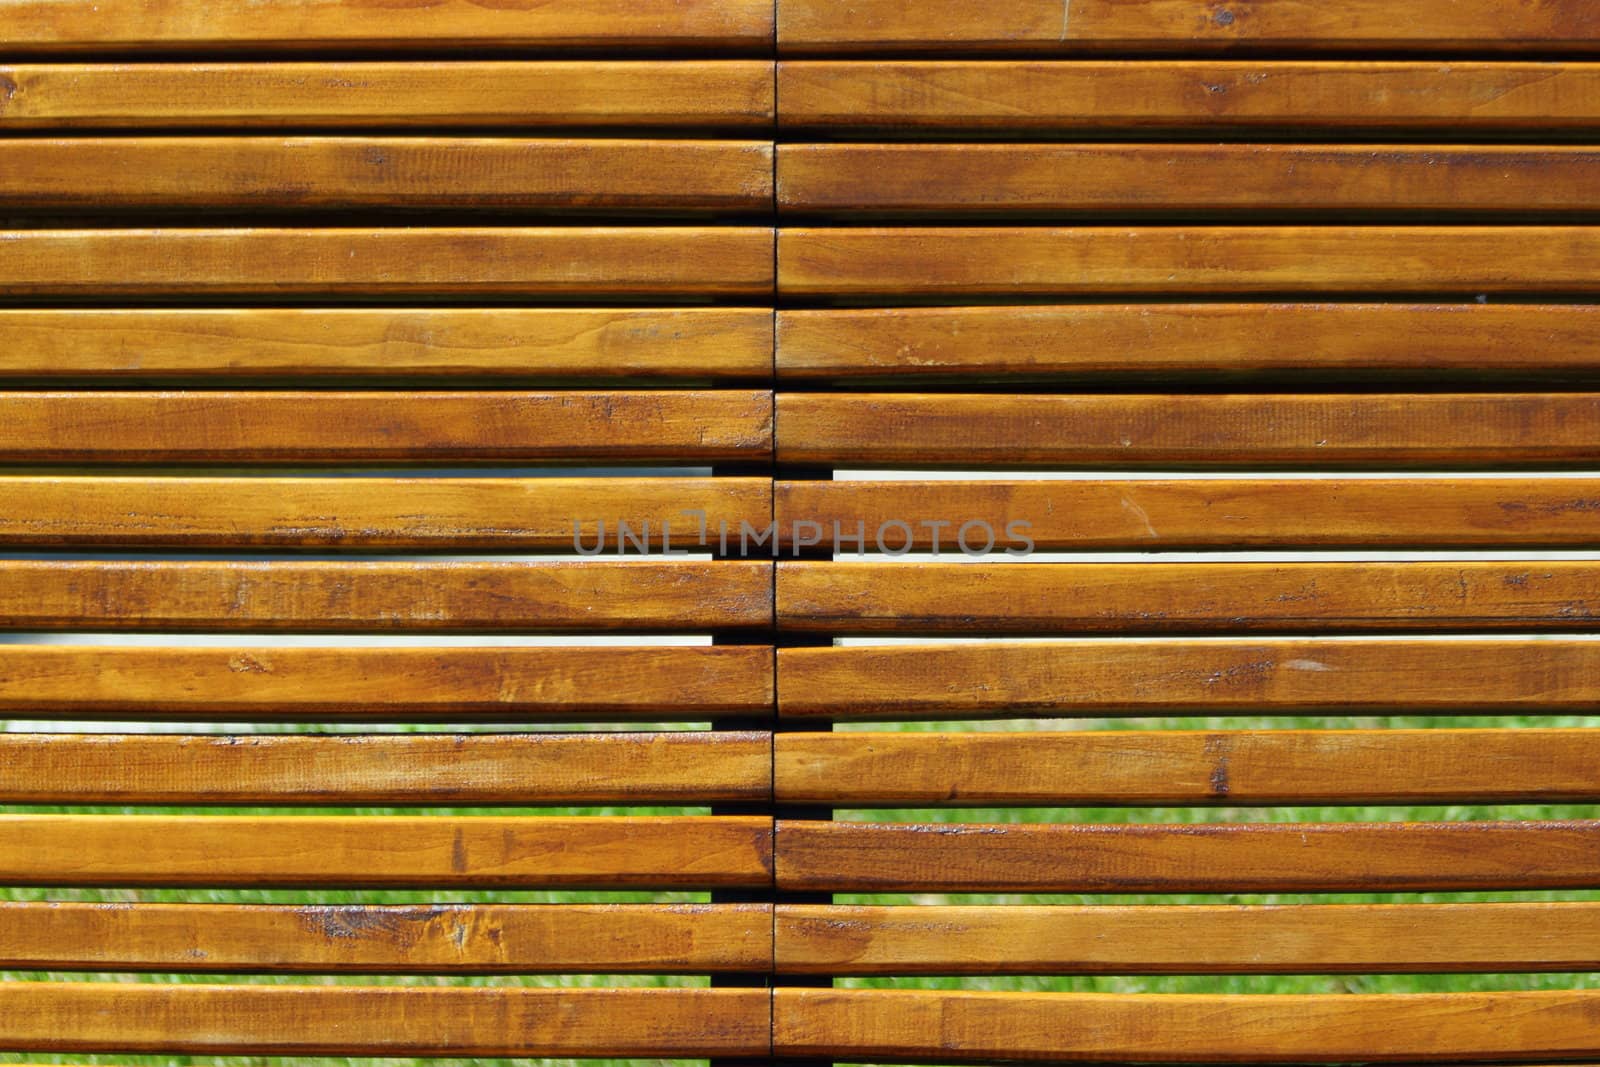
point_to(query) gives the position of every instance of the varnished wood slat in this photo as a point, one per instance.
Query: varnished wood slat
(1383, 430)
(288, 595)
(1042, 261)
(1032, 98)
(1125, 342)
(730, 94)
(418, 769)
(843, 857)
(382, 1020)
(376, 513)
(294, 344)
(320, 427)
(1259, 676)
(1112, 598)
(286, 683)
(1169, 767)
(481, 261)
(393, 939)
(1050, 26)
(1191, 939)
(1188, 514)
(973, 180)
(389, 173)
(486, 851)
(906, 1025)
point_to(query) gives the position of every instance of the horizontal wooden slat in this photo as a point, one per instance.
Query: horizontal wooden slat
(294, 344)
(287, 595)
(1389, 431)
(382, 1020)
(1262, 676)
(1179, 513)
(481, 261)
(394, 939)
(403, 427)
(1186, 858)
(1031, 98)
(732, 94)
(1048, 26)
(286, 683)
(904, 1025)
(682, 851)
(1160, 767)
(1127, 342)
(411, 770)
(1135, 598)
(1142, 179)
(1039, 261)
(1192, 939)
(377, 513)
(388, 173)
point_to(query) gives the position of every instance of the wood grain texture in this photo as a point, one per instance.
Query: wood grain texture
(1110, 431)
(382, 1020)
(1191, 939)
(464, 261)
(389, 851)
(1178, 768)
(325, 427)
(1136, 342)
(1135, 180)
(910, 1025)
(1034, 98)
(1190, 514)
(1014, 598)
(417, 684)
(226, 345)
(1046, 26)
(392, 939)
(1258, 676)
(843, 857)
(411, 770)
(1042, 261)
(286, 174)
(713, 94)
(375, 513)
(287, 596)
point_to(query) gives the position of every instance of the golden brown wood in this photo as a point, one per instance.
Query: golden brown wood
(724, 94)
(681, 851)
(1050, 26)
(389, 173)
(393, 939)
(907, 1024)
(287, 595)
(1179, 514)
(1259, 676)
(1192, 939)
(481, 261)
(399, 427)
(843, 857)
(1107, 431)
(517, 769)
(1031, 98)
(1039, 261)
(383, 344)
(1135, 342)
(512, 684)
(382, 1020)
(375, 513)
(1012, 598)
(1171, 767)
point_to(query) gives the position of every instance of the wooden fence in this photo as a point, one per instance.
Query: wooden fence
(1251, 276)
